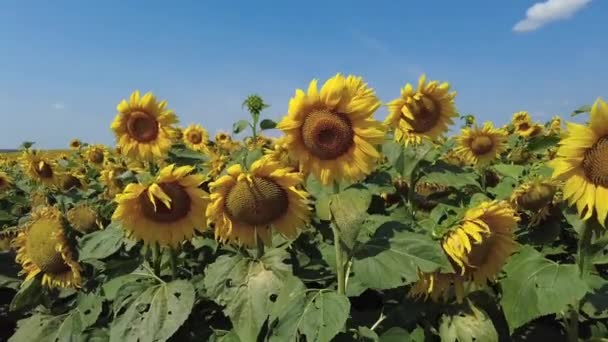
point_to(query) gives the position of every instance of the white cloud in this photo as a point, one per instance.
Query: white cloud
(59, 105)
(542, 13)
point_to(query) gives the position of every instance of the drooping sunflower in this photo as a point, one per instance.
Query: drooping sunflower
(582, 163)
(143, 127)
(332, 132)
(83, 218)
(196, 138)
(555, 126)
(535, 196)
(422, 113)
(437, 286)
(481, 244)
(39, 167)
(75, 144)
(481, 145)
(523, 125)
(110, 178)
(167, 211)
(96, 154)
(456, 159)
(244, 206)
(72, 179)
(5, 181)
(42, 247)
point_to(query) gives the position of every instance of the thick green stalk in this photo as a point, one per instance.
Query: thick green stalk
(157, 256)
(259, 246)
(173, 259)
(339, 260)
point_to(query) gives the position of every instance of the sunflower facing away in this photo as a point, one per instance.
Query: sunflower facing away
(535, 196)
(143, 127)
(39, 168)
(5, 181)
(83, 218)
(110, 178)
(582, 163)
(43, 248)
(523, 125)
(481, 145)
(196, 138)
(244, 206)
(555, 126)
(423, 113)
(167, 211)
(478, 248)
(332, 132)
(75, 144)
(96, 154)
(280, 153)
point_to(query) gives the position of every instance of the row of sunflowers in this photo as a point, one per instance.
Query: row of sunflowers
(342, 228)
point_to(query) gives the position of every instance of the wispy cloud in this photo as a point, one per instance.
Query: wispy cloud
(59, 105)
(542, 13)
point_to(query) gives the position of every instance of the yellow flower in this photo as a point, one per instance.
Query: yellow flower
(555, 126)
(83, 218)
(143, 127)
(524, 126)
(109, 178)
(75, 144)
(480, 146)
(582, 163)
(332, 132)
(535, 196)
(168, 211)
(7, 236)
(38, 198)
(456, 159)
(437, 286)
(5, 181)
(244, 206)
(96, 154)
(280, 153)
(424, 113)
(196, 138)
(42, 248)
(39, 168)
(224, 141)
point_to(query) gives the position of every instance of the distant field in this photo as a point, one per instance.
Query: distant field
(8, 152)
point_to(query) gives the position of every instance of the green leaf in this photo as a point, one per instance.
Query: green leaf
(252, 156)
(317, 314)
(245, 286)
(240, 126)
(469, 326)
(581, 110)
(88, 306)
(102, 243)
(268, 124)
(535, 286)
(5, 216)
(542, 143)
(155, 314)
(509, 170)
(451, 179)
(48, 328)
(322, 207)
(9, 282)
(392, 258)
(349, 209)
(188, 154)
(396, 334)
(29, 295)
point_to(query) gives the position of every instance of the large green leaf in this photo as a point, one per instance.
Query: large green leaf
(542, 143)
(267, 124)
(509, 170)
(349, 209)
(535, 286)
(239, 126)
(245, 286)
(317, 314)
(29, 295)
(452, 179)
(155, 314)
(468, 326)
(392, 258)
(102, 243)
(581, 110)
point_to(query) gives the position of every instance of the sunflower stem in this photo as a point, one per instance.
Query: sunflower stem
(157, 258)
(259, 246)
(173, 259)
(341, 274)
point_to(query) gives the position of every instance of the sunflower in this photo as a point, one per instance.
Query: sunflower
(223, 140)
(38, 198)
(7, 235)
(480, 146)
(523, 125)
(332, 132)
(481, 244)
(167, 211)
(456, 159)
(215, 164)
(75, 144)
(424, 113)
(96, 154)
(280, 153)
(42, 247)
(555, 126)
(83, 218)
(39, 167)
(437, 286)
(244, 206)
(70, 180)
(582, 163)
(535, 196)
(110, 178)
(143, 127)
(5, 181)
(196, 138)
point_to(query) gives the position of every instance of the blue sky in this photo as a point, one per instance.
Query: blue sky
(64, 66)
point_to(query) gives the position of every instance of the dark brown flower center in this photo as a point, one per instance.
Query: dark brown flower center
(195, 137)
(142, 126)
(327, 135)
(524, 126)
(178, 209)
(480, 253)
(537, 197)
(70, 182)
(595, 162)
(44, 170)
(41, 247)
(3, 182)
(481, 145)
(425, 118)
(257, 203)
(96, 156)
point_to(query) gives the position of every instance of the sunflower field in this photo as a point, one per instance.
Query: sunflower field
(327, 224)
